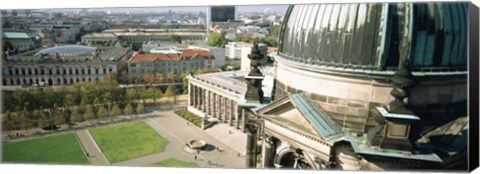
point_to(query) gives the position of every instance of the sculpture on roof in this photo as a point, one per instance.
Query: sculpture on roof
(255, 77)
(401, 81)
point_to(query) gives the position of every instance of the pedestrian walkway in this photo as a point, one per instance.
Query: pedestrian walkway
(235, 138)
(93, 152)
(176, 130)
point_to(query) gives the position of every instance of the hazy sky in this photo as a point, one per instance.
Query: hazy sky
(240, 9)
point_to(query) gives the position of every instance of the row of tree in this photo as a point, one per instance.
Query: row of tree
(27, 105)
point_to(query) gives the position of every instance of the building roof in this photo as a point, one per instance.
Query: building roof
(72, 49)
(307, 116)
(18, 35)
(153, 56)
(362, 34)
(322, 123)
(172, 55)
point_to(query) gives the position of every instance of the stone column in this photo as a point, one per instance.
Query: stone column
(214, 102)
(234, 112)
(244, 119)
(204, 102)
(194, 94)
(209, 95)
(237, 117)
(221, 113)
(190, 95)
(266, 154)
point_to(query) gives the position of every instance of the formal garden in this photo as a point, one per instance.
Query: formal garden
(54, 149)
(125, 141)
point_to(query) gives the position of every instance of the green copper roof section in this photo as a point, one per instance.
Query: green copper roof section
(17, 35)
(320, 121)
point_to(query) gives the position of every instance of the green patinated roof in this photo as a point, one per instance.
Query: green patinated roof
(320, 121)
(17, 35)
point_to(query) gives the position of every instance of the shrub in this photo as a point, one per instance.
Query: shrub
(196, 120)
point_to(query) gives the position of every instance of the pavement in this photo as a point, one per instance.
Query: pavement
(95, 155)
(178, 132)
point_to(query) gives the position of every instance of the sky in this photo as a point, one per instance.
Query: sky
(281, 9)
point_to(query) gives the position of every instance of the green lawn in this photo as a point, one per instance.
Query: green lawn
(172, 162)
(128, 140)
(56, 149)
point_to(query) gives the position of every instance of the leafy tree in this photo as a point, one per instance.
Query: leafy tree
(140, 108)
(69, 102)
(8, 121)
(58, 118)
(132, 94)
(153, 93)
(148, 78)
(159, 77)
(128, 109)
(172, 77)
(88, 114)
(25, 122)
(170, 92)
(116, 110)
(269, 41)
(42, 120)
(216, 40)
(76, 116)
(102, 112)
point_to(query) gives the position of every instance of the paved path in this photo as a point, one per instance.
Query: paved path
(176, 130)
(95, 155)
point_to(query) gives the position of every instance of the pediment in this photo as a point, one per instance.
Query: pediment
(299, 112)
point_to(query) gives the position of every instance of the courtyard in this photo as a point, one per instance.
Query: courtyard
(156, 140)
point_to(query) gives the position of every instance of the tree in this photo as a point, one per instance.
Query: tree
(42, 121)
(159, 77)
(216, 40)
(102, 112)
(269, 41)
(76, 116)
(69, 101)
(116, 110)
(128, 109)
(148, 78)
(88, 114)
(170, 92)
(185, 81)
(140, 108)
(171, 77)
(25, 122)
(58, 117)
(153, 93)
(8, 121)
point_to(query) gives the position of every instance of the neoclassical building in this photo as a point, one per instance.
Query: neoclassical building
(371, 86)
(63, 65)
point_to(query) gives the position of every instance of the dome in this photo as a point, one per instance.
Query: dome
(76, 50)
(376, 35)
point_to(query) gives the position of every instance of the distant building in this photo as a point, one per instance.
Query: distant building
(22, 41)
(170, 61)
(218, 53)
(235, 50)
(63, 65)
(96, 37)
(137, 37)
(66, 34)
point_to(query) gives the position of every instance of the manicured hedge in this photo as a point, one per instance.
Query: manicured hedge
(196, 120)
